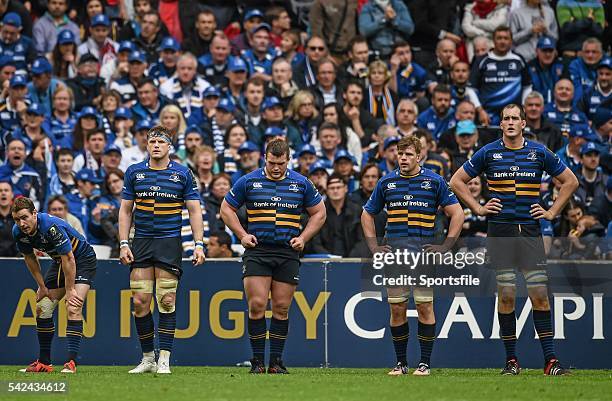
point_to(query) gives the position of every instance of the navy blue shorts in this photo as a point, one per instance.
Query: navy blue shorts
(512, 246)
(85, 273)
(163, 253)
(282, 264)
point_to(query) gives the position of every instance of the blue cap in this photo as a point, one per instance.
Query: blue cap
(307, 149)
(65, 36)
(41, 65)
(100, 20)
(546, 42)
(36, 109)
(88, 111)
(123, 112)
(212, 91)
(169, 43)
(274, 131)
(602, 115)
(390, 141)
(6, 60)
(237, 64)
(144, 124)
(18, 80)
(605, 62)
(87, 174)
(589, 147)
(193, 128)
(465, 127)
(126, 46)
(248, 146)
(226, 105)
(260, 27)
(343, 154)
(252, 14)
(319, 165)
(270, 102)
(12, 19)
(137, 56)
(579, 131)
(112, 148)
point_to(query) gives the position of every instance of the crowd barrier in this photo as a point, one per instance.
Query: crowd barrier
(335, 320)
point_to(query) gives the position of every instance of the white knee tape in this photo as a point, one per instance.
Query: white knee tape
(165, 286)
(536, 278)
(143, 286)
(506, 278)
(46, 308)
(422, 295)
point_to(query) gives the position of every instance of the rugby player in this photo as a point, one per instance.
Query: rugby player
(159, 188)
(71, 274)
(275, 197)
(411, 195)
(514, 168)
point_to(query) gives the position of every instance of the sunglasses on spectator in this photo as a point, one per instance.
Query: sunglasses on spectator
(316, 48)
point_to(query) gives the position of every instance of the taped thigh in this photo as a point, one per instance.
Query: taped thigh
(45, 307)
(142, 286)
(536, 278)
(506, 277)
(422, 295)
(397, 295)
(165, 286)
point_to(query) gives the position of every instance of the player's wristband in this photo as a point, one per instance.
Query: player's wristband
(124, 243)
(199, 244)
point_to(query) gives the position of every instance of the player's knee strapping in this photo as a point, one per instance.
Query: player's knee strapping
(142, 286)
(45, 308)
(397, 296)
(422, 295)
(506, 278)
(536, 278)
(165, 286)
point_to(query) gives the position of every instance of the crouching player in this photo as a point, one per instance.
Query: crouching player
(159, 188)
(70, 274)
(411, 195)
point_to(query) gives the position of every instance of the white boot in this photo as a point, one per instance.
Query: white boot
(147, 364)
(163, 362)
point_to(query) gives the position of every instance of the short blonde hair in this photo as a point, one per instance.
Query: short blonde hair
(298, 99)
(173, 109)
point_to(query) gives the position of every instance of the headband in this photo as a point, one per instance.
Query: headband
(158, 134)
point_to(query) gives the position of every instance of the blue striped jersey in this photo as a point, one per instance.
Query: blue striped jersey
(514, 176)
(55, 237)
(411, 202)
(274, 207)
(160, 195)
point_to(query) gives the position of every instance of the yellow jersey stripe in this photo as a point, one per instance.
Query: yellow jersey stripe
(510, 189)
(421, 224)
(528, 193)
(145, 208)
(145, 200)
(397, 211)
(261, 211)
(289, 216)
(500, 182)
(421, 216)
(271, 218)
(177, 211)
(528, 186)
(288, 223)
(398, 219)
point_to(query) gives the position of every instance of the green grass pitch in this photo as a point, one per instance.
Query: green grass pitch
(112, 383)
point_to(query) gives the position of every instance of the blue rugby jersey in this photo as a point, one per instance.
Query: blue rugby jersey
(159, 195)
(514, 176)
(55, 237)
(411, 202)
(273, 207)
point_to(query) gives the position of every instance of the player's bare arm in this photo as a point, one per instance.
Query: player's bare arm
(33, 266)
(125, 223)
(230, 218)
(369, 230)
(317, 215)
(457, 217)
(459, 186)
(569, 184)
(197, 227)
(69, 268)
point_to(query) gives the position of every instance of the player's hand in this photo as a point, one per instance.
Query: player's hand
(380, 249)
(198, 256)
(297, 243)
(493, 206)
(249, 241)
(538, 212)
(125, 255)
(436, 248)
(73, 299)
(42, 292)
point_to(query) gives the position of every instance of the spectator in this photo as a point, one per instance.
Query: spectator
(341, 234)
(47, 27)
(375, 153)
(122, 126)
(465, 111)
(601, 206)
(501, 76)
(475, 225)
(385, 22)
(545, 70)
(318, 176)
(193, 140)
(480, 19)
(561, 112)
(304, 72)
(328, 88)
(460, 90)
(235, 136)
(411, 79)
(570, 154)
(172, 118)
(220, 245)
(186, 88)
(280, 22)
(243, 41)
(389, 159)
(289, 46)
(578, 20)
(406, 115)
(537, 127)
(215, 65)
(250, 158)
(7, 245)
(329, 139)
(126, 85)
(482, 46)
(43, 85)
(260, 56)
(272, 114)
(430, 159)
(349, 140)
(446, 56)
(381, 100)
(8, 6)
(84, 199)
(99, 44)
(64, 55)
(282, 85)
(466, 136)
(530, 22)
(591, 178)
(14, 44)
(104, 222)
(58, 206)
(344, 166)
(204, 158)
(210, 101)
(583, 69)
(150, 103)
(302, 118)
(165, 67)
(150, 36)
(353, 113)
(87, 121)
(87, 86)
(63, 181)
(370, 174)
(198, 42)
(138, 152)
(109, 103)
(583, 233)
(24, 179)
(133, 26)
(91, 157)
(14, 106)
(305, 157)
(335, 21)
(32, 129)
(602, 123)
(7, 70)
(111, 159)
(439, 117)
(356, 67)
(120, 67)
(599, 94)
(223, 118)
(219, 187)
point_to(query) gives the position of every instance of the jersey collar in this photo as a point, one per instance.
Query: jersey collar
(263, 172)
(501, 141)
(409, 176)
(170, 164)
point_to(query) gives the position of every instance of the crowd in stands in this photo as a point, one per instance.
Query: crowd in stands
(81, 83)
